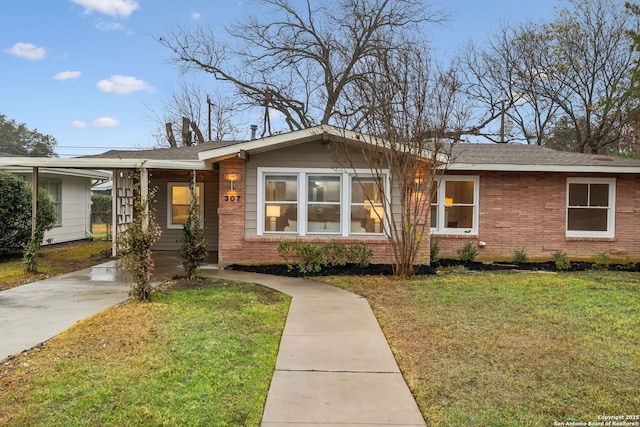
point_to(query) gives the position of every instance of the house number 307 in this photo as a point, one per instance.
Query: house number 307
(231, 198)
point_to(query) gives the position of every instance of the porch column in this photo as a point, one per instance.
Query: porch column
(34, 202)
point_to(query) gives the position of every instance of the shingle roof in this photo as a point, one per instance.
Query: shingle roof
(180, 153)
(528, 155)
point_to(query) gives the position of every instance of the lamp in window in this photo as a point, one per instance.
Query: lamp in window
(273, 212)
(232, 178)
(376, 213)
(448, 202)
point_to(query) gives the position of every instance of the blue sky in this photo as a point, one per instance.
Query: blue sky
(90, 73)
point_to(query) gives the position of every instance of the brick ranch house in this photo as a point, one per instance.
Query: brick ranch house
(503, 197)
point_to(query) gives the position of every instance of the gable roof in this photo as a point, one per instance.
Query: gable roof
(533, 158)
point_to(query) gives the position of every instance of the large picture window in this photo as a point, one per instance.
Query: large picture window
(454, 205)
(179, 200)
(319, 202)
(590, 207)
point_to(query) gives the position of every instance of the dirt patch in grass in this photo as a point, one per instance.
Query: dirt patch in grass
(54, 260)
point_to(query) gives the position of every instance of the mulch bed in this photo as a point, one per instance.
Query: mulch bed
(387, 269)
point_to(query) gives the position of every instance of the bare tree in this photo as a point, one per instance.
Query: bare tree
(300, 60)
(501, 85)
(412, 123)
(189, 110)
(575, 68)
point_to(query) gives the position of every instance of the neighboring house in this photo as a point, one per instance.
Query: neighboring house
(70, 193)
(253, 194)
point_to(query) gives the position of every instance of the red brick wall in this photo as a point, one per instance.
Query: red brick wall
(528, 210)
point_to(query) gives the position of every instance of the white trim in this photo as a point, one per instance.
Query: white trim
(301, 174)
(440, 226)
(170, 186)
(611, 209)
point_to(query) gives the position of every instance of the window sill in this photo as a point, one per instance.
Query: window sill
(589, 239)
(454, 235)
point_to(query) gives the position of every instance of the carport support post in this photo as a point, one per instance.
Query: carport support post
(34, 203)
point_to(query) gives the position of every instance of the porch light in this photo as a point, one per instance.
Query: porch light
(273, 212)
(232, 178)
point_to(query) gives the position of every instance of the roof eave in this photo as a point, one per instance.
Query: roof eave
(101, 163)
(542, 168)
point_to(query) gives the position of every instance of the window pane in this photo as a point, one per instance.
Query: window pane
(281, 188)
(578, 194)
(587, 219)
(323, 218)
(323, 188)
(364, 190)
(461, 192)
(180, 195)
(180, 203)
(434, 193)
(459, 217)
(434, 216)
(281, 217)
(599, 195)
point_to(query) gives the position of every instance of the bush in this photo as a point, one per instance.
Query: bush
(561, 260)
(434, 250)
(602, 261)
(359, 254)
(519, 256)
(15, 214)
(468, 252)
(135, 246)
(194, 245)
(310, 258)
(335, 253)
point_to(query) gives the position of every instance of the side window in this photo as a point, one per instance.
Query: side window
(179, 200)
(54, 190)
(454, 205)
(367, 209)
(590, 205)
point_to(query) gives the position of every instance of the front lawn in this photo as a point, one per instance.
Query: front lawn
(519, 349)
(199, 356)
(54, 260)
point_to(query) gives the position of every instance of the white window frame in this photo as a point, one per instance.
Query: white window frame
(611, 220)
(44, 184)
(440, 227)
(170, 186)
(346, 178)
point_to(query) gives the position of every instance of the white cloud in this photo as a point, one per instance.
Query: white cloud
(78, 124)
(195, 16)
(123, 85)
(27, 50)
(67, 75)
(109, 26)
(115, 8)
(106, 122)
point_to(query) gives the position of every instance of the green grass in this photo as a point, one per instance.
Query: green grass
(54, 260)
(524, 349)
(192, 357)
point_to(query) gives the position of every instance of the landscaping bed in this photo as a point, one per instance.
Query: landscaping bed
(387, 269)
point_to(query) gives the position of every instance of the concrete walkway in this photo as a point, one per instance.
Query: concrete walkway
(334, 366)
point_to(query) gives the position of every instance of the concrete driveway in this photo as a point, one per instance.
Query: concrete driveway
(33, 313)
